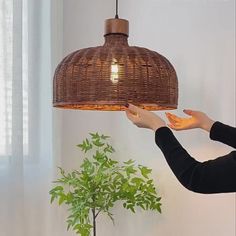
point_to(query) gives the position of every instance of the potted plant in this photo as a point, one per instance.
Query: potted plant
(100, 183)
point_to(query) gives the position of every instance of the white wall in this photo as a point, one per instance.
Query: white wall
(198, 37)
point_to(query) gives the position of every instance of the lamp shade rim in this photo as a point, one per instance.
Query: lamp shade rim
(112, 105)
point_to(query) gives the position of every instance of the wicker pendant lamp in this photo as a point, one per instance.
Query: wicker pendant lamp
(109, 76)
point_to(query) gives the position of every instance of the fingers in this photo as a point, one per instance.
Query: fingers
(176, 123)
(131, 116)
(133, 108)
(172, 121)
(189, 112)
(173, 117)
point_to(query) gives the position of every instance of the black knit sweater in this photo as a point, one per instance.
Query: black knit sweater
(213, 176)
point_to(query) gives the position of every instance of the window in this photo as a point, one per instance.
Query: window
(6, 78)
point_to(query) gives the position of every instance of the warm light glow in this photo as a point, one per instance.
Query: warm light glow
(114, 72)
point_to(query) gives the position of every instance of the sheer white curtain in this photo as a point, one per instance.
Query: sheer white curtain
(25, 117)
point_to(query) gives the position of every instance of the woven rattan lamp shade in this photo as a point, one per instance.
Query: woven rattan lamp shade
(109, 76)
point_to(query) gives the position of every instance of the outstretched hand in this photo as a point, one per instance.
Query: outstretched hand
(197, 119)
(147, 119)
(143, 118)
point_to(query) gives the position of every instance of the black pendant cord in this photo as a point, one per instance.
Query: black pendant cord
(117, 5)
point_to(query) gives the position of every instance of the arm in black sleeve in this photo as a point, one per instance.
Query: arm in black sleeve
(214, 176)
(223, 133)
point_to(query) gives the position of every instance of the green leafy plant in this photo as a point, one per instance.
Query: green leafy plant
(100, 183)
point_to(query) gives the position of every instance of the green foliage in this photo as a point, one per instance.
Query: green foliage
(100, 182)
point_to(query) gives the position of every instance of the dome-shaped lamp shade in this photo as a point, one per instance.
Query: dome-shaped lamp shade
(109, 76)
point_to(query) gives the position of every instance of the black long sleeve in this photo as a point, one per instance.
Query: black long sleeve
(213, 176)
(223, 133)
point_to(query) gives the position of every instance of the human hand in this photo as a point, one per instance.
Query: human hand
(143, 118)
(198, 119)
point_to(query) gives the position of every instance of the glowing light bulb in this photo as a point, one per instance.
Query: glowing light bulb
(114, 72)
